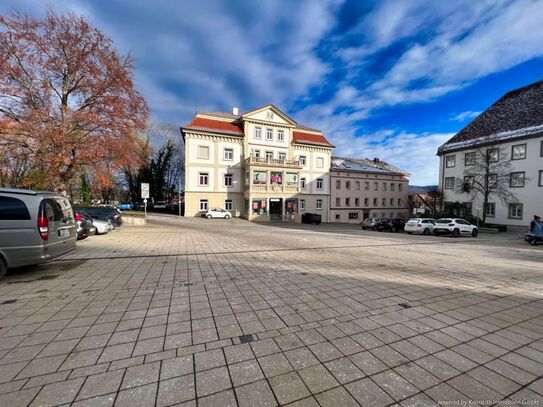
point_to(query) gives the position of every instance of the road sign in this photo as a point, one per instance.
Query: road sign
(144, 190)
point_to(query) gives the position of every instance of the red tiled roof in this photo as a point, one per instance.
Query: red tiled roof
(215, 126)
(308, 138)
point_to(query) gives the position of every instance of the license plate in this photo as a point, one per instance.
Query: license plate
(64, 233)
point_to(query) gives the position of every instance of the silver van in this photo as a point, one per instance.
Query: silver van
(35, 227)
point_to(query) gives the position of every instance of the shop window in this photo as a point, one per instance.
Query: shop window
(292, 178)
(353, 215)
(259, 177)
(259, 207)
(276, 178)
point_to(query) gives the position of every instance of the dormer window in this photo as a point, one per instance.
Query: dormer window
(269, 115)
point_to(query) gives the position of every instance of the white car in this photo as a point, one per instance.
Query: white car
(102, 227)
(456, 227)
(423, 226)
(159, 205)
(217, 213)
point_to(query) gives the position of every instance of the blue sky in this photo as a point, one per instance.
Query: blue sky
(390, 79)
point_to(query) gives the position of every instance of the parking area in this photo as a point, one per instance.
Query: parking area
(226, 312)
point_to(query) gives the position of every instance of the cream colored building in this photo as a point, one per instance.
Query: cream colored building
(260, 165)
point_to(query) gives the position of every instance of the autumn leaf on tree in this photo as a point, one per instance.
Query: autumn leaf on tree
(67, 100)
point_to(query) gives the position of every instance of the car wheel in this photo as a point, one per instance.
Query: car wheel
(374, 228)
(3, 268)
(426, 231)
(209, 216)
(409, 233)
(364, 228)
(474, 232)
(226, 216)
(456, 232)
(436, 233)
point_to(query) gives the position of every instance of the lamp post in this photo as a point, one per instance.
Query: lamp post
(179, 196)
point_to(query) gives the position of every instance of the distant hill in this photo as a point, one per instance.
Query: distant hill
(417, 189)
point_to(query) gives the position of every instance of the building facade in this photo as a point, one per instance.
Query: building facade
(507, 138)
(362, 189)
(260, 165)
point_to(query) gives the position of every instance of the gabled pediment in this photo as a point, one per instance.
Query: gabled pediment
(270, 114)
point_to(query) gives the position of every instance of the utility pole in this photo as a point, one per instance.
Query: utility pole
(179, 196)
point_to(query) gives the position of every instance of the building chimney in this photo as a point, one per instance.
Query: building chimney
(376, 160)
(235, 110)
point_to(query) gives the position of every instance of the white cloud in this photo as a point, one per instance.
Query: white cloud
(468, 114)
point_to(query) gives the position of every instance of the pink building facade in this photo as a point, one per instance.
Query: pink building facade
(361, 189)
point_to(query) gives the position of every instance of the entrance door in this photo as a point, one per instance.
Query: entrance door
(276, 208)
(366, 215)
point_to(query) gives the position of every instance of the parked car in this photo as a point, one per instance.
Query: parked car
(159, 205)
(104, 213)
(456, 227)
(126, 206)
(101, 227)
(370, 223)
(35, 227)
(423, 226)
(311, 218)
(85, 228)
(390, 225)
(216, 213)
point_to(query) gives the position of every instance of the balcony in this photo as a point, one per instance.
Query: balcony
(276, 188)
(272, 162)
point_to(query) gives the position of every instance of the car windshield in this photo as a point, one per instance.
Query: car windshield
(443, 221)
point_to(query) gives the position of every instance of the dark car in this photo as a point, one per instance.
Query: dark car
(84, 226)
(311, 218)
(390, 225)
(104, 213)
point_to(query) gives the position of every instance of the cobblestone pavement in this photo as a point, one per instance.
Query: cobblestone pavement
(223, 313)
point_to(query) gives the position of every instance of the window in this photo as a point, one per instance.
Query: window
(203, 179)
(376, 186)
(269, 134)
(282, 156)
(450, 161)
(541, 149)
(490, 209)
(449, 182)
(492, 180)
(347, 184)
(269, 155)
(338, 201)
(493, 155)
(384, 186)
(366, 202)
(318, 204)
(203, 152)
(292, 178)
(399, 202)
(357, 185)
(392, 186)
(540, 178)
(319, 183)
(203, 204)
(276, 178)
(357, 202)
(228, 180)
(280, 135)
(338, 184)
(302, 160)
(302, 183)
(353, 215)
(366, 185)
(228, 154)
(259, 207)
(515, 211)
(302, 204)
(516, 180)
(255, 153)
(13, 209)
(374, 201)
(518, 152)
(469, 158)
(228, 205)
(400, 187)
(260, 177)
(320, 162)
(338, 216)
(383, 202)
(391, 201)
(347, 201)
(468, 183)
(258, 133)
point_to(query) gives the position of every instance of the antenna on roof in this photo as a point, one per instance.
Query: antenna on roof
(235, 110)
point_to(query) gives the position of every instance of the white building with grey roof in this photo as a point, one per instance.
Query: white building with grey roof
(499, 154)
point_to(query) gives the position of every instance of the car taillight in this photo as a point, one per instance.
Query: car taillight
(116, 217)
(43, 227)
(419, 226)
(78, 217)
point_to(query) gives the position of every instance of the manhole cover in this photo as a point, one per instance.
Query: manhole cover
(9, 301)
(404, 306)
(246, 338)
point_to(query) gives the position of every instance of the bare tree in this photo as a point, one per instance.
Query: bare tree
(487, 175)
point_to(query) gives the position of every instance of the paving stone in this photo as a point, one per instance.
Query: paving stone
(368, 363)
(106, 400)
(222, 399)
(288, 388)
(142, 396)
(344, 370)
(140, 375)
(301, 357)
(81, 359)
(265, 347)
(116, 352)
(177, 341)
(58, 393)
(245, 372)
(175, 390)
(179, 366)
(46, 379)
(212, 381)
(338, 397)
(20, 398)
(101, 384)
(317, 378)
(39, 366)
(325, 351)
(238, 353)
(257, 394)
(394, 384)
(367, 393)
(209, 359)
(273, 365)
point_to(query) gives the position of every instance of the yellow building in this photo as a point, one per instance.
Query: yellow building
(260, 165)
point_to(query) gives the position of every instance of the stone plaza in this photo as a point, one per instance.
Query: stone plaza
(196, 312)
